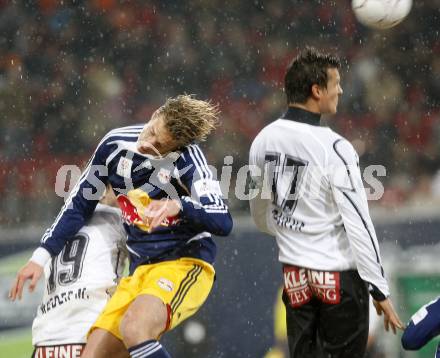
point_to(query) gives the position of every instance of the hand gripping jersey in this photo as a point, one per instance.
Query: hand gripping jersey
(311, 198)
(136, 178)
(80, 279)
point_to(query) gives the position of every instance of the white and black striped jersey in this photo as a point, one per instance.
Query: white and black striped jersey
(80, 279)
(183, 175)
(311, 198)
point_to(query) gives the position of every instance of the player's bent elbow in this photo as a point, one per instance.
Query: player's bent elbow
(409, 343)
(224, 227)
(228, 227)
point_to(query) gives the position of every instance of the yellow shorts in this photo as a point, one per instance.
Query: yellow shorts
(183, 285)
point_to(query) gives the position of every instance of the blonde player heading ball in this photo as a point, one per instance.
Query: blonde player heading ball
(172, 206)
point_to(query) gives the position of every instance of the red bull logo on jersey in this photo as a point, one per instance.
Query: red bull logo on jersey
(164, 175)
(301, 285)
(135, 202)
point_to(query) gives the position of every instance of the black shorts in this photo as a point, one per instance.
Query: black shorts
(327, 313)
(59, 351)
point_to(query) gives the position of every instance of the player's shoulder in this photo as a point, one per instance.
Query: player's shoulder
(270, 128)
(105, 216)
(192, 153)
(105, 221)
(267, 132)
(126, 131)
(339, 143)
(107, 210)
(343, 150)
(287, 129)
(192, 160)
(125, 134)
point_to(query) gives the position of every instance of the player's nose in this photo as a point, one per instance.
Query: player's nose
(143, 147)
(148, 147)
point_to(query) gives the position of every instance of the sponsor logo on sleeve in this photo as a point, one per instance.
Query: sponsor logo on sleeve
(204, 187)
(420, 315)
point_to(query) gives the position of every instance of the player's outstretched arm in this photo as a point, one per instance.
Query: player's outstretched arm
(71, 218)
(390, 316)
(31, 271)
(82, 201)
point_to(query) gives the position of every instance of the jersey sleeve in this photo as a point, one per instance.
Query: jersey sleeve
(350, 197)
(260, 208)
(203, 206)
(80, 204)
(423, 326)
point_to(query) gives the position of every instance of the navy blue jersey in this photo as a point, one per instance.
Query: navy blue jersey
(424, 325)
(183, 175)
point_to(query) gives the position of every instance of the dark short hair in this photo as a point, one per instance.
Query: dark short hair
(308, 68)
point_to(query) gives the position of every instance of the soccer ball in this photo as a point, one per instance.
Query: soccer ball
(381, 14)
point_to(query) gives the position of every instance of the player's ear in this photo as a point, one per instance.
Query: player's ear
(316, 91)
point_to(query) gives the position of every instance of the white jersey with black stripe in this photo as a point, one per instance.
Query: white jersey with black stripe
(80, 279)
(311, 198)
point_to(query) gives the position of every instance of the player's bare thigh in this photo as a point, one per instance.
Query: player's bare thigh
(145, 319)
(103, 344)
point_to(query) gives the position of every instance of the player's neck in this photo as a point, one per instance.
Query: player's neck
(310, 106)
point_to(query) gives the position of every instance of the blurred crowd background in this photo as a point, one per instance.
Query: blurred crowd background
(71, 71)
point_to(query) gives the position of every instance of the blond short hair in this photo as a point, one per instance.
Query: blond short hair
(189, 119)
